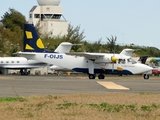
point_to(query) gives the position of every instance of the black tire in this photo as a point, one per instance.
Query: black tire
(92, 76)
(146, 76)
(101, 76)
(22, 73)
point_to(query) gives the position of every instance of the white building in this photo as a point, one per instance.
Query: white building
(49, 15)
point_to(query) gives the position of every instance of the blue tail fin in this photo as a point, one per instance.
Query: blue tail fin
(32, 41)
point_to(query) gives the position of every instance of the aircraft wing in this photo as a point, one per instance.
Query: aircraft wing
(23, 66)
(87, 55)
(25, 53)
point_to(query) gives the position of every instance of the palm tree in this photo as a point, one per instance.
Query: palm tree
(111, 44)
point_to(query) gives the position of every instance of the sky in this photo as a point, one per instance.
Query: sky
(132, 21)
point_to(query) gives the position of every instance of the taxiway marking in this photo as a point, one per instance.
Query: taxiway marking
(112, 85)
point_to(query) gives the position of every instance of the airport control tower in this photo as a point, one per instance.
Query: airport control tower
(49, 15)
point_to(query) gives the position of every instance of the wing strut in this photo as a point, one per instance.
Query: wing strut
(90, 65)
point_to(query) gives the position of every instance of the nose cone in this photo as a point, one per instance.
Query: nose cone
(142, 68)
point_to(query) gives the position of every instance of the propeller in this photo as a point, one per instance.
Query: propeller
(113, 59)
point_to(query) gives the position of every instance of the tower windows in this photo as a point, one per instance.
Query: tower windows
(36, 16)
(30, 15)
(48, 9)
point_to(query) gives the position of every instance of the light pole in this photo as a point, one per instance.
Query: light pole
(122, 39)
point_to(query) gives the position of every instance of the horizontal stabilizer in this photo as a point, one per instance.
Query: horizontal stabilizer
(27, 55)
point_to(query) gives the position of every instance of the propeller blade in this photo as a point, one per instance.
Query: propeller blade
(112, 67)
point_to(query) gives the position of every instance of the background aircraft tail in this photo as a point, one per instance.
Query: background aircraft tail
(143, 59)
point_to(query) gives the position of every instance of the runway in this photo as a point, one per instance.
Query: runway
(46, 85)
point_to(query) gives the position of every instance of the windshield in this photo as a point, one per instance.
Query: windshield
(131, 60)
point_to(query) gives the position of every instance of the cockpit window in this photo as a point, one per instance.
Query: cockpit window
(131, 60)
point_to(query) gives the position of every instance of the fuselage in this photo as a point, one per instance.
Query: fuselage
(101, 64)
(19, 62)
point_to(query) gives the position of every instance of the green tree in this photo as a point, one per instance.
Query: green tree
(13, 19)
(11, 31)
(111, 44)
(74, 36)
(152, 61)
(93, 47)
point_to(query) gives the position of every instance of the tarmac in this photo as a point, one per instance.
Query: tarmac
(16, 85)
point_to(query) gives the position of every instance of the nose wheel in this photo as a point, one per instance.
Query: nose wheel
(146, 76)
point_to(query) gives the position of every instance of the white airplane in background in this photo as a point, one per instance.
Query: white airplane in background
(19, 63)
(93, 63)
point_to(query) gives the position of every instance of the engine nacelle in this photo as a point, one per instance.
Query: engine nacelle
(106, 59)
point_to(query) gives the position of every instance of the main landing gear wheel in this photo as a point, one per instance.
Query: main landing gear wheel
(101, 76)
(92, 76)
(24, 73)
(146, 76)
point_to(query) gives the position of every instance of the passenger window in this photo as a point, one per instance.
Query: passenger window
(121, 61)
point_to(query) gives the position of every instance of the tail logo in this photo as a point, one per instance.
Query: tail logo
(39, 43)
(29, 35)
(28, 47)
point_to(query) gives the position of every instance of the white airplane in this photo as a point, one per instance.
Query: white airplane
(93, 63)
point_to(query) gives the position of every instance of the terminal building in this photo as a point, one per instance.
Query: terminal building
(48, 14)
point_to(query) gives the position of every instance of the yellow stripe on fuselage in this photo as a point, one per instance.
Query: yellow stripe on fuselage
(119, 69)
